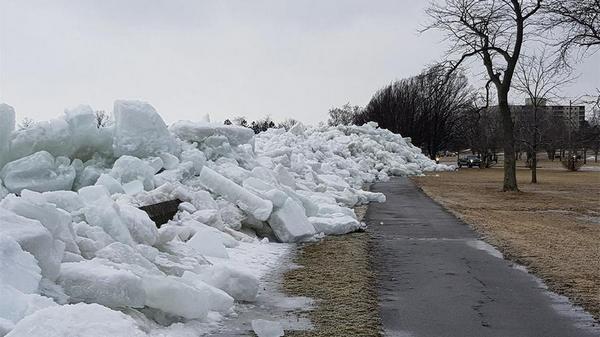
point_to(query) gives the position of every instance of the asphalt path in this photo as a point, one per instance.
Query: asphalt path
(437, 279)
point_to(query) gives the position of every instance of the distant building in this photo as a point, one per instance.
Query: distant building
(573, 116)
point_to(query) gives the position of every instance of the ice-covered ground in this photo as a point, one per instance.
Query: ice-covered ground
(77, 257)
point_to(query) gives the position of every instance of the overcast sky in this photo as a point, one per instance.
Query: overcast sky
(225, 58)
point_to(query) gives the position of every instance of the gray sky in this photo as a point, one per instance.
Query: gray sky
(226, 58)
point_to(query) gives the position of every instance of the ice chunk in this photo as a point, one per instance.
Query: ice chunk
(67, 200)
(208, 243)
(155, 162)
(89, 320)
(336, 225)
(86, 136)
(187, 207)
(95, 282)
(7, 126)
(366, 196)
(276, 196)
(198, 132)
(3, 190)
(245, 200)
(284, 177)
(211, 217)
(53, 136)
(200, 199)
(239, 285)
(15, 305)
(221, 235)
(169, 161)
(327, 210)
(90, 239)
(35, 239)
(140, 131)
(38, 172)
(34, 206)
(110, 183)
(127, 169)
(196, 157)
(87, 176)
(333, 181)
(181, 173)
(107, 217)
(230, 214)
(173, 296)
(264, 328)
(133, 187)
(297, 129)
(103, 212)
(18, 269)
(218, 300)
(91, 195)
(123, 254)
(290, 224)
(141, 227)
(5, 326)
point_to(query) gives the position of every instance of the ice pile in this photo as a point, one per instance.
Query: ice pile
(75, 248)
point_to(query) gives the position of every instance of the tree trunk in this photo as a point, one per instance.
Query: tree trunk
(510, 166)
(534, 169)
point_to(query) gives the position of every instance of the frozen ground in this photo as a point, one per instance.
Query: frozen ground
(78, 257)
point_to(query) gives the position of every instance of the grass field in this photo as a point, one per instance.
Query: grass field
(552, 227)
(336, 272)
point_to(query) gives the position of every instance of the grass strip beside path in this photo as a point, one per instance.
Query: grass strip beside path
(337, 273)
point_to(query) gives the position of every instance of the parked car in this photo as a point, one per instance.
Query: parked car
(469, 161)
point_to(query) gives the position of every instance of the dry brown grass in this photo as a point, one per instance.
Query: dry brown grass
(337, 273)
(552, 227)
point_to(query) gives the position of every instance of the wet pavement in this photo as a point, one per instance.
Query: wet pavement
(436, 278)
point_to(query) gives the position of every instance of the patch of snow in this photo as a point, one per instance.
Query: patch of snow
(264, 328)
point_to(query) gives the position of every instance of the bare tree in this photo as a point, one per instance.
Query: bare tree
(539, 81)
(428, 108)
(493, 30)
(594, 132)
(287, 123)
(480, 130)
(26, 123)
(262, 124)
(343, 115)
(577, 22)
(240, 121)
(102, 118)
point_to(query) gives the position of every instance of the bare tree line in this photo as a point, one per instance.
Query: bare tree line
(495, 32)
(427, 107)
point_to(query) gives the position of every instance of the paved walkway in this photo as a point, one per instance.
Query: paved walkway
(436, 279)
